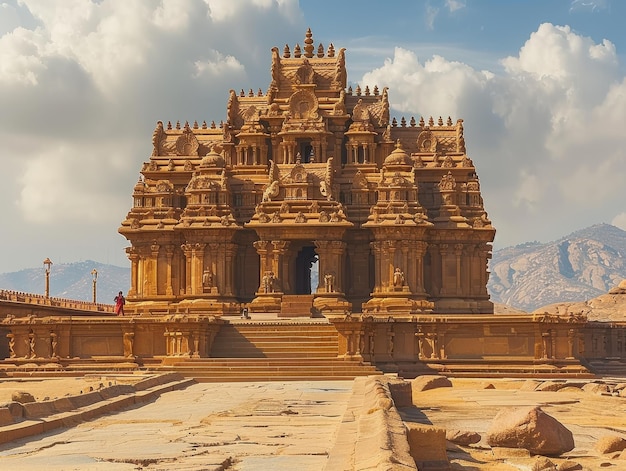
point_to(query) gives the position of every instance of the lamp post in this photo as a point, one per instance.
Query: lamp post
(47, 264)
(94, 273)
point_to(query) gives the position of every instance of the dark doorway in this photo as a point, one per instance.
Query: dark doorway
(304, 261)
(306, 152)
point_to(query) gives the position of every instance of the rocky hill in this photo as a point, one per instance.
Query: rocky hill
(71, 281)
(578, 267)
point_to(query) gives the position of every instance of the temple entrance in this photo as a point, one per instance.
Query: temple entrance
(304, 263)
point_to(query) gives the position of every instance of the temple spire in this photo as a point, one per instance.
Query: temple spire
(308, 44)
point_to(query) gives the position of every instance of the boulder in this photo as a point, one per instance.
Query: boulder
(569, 465)
(426, 382)
(551, 386)
(610, 444)
(462, 437)
(22, 397)
(532, 429)
(597, 388)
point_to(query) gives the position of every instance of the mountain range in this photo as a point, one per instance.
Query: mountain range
(71, 281)
(578, 267)
(583, 265)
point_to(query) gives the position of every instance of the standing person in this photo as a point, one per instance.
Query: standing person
(119, 304)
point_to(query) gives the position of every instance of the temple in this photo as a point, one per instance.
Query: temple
(307, 235)
(311, 175)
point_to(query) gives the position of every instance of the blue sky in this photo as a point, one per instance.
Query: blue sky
(541, 86)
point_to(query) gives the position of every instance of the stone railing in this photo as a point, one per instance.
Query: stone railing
(38, 299)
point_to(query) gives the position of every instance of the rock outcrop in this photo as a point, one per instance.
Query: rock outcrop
(532, 429)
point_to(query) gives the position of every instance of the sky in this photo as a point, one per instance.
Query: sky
(541, 87)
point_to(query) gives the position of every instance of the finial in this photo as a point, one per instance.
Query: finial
(412, 121)
(204, 126)
(394, 123)
(440, 122)
(358, 90)
(297, 52)
(177, 124)
(421, 121)
(331, 50)
(308, 44)
(260, 92)
(250, 93)
(169, 125)
(350, 90)
(242, 93)
(195, 124)
(376, 90)
(398, 144)
(367, 90)
(320, 51)
(213, 125)
(431, 122)
(449, 123)
(403, 122)
(286, 52)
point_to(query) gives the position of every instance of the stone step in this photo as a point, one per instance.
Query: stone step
(212, 370)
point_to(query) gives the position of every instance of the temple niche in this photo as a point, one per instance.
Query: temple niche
(308, 199)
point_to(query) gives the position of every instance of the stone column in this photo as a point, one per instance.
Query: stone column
(197, 256)
(377, 249)
(458, 252)
(133, 256)
(169, 253)
(280, 264)
(187, 250)
(263, 249)
(230, 250)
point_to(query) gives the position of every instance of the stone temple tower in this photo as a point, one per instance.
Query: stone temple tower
(311, 173)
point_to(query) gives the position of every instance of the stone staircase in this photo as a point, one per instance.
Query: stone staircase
(271, 351)
(296, 305)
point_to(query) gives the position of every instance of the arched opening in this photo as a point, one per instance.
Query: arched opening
(304, 263)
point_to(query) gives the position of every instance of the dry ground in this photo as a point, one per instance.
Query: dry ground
(469, 406)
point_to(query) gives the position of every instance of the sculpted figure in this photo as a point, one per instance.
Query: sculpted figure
(329, 282)
(271, 192)
(398, 278)
(207, 278)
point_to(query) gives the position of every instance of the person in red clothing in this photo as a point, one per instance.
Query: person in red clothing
(119, 304)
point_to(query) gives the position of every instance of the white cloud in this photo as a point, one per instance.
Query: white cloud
(431, 15)
(454, 5)
(85, 83)
(545, 133)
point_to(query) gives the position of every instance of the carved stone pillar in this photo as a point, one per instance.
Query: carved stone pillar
(280, 264)
(187, 252)
(169, 254)
(230, 250)
(197, 259)
(133, 256)
(377, 249)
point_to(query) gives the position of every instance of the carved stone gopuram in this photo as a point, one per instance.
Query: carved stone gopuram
(310, 171)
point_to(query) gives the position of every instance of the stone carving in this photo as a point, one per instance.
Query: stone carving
(187, 143)
(271, 191)
(329, 283)
(398, 278)
(305, 73)
(157, 137)
(207, 279)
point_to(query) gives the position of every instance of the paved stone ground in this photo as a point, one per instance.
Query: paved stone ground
(208, 426)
